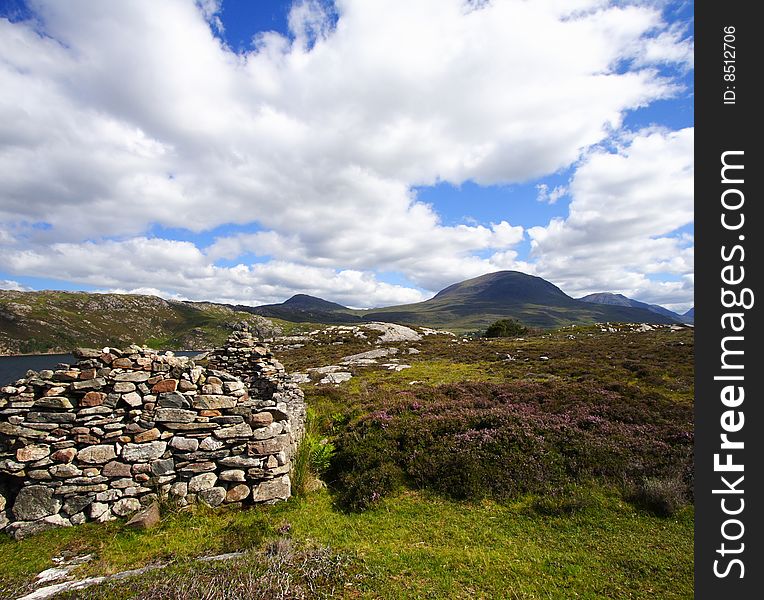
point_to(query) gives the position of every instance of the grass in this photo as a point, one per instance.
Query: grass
(411, 546)
(588, 542)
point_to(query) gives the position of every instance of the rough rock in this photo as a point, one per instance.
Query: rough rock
(147, 518)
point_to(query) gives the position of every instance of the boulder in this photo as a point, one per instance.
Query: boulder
(35, 502)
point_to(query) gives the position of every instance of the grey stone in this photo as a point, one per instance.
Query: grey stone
(271, 446)
(89, 384)
(240, 462)
(211, 444)
(123, 387)
(78, 519)
(209, 402)
(143, 452)
(133, 376)
(108, 496)
(76, 504)
(179, 489)
(233, 475)
(21, 529)
(240, 430)
(272, 490)
(163, 467)
(184, 444)
(202, 482)
(64, 471)
(59, 402)
(50, 417)
(125, 506)
(172, 400)
(174, 415)
(132, 399)
(198, 467)
(35, 502)
(268, 432)
(213, 496)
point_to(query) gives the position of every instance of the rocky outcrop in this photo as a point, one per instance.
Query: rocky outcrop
(107, 436)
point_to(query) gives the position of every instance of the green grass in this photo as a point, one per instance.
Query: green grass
(415, 546)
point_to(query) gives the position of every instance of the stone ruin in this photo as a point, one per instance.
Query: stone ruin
(120, 429)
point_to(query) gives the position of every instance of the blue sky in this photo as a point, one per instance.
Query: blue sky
(369, 153)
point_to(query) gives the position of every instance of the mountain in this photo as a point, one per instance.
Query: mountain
(54, 321)
(51, 321)
(476, 303)
(302, 308)
(689, 316)
(621, 300)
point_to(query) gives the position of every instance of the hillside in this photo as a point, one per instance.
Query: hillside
(51, 321)
(621, 300)
(54, 321)
(302, 308)
(689, 316)
(475, 303)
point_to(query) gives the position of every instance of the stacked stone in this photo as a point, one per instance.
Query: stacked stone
(100, 439)
(265, 376)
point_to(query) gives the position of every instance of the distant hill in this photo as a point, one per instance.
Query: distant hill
(55, 321)
(51, 321)
(476, 303)
(689, 316)
(621, 300)
(302, 308)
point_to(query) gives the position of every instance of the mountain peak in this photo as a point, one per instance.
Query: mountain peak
(306, 302)
(505, 285)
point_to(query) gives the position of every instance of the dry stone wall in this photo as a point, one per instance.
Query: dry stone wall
(104, 437)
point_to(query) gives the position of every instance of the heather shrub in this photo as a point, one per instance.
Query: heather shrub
(364, 469)
(474, 440)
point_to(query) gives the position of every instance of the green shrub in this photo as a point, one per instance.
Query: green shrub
(506, 328)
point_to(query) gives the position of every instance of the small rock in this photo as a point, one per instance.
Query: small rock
(146, 519)
(237, 493)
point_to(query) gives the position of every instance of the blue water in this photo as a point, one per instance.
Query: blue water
(15, 367)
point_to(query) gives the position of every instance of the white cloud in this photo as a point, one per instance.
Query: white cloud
(125, 115)
(622, 221)
(550, 197)
(173, 269)
(14, 286)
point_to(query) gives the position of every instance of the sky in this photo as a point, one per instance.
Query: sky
(369, 152)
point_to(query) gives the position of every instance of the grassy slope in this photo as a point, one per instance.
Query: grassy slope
(417, 545)
(52, 321)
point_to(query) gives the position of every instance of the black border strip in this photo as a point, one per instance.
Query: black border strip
(724, 127)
